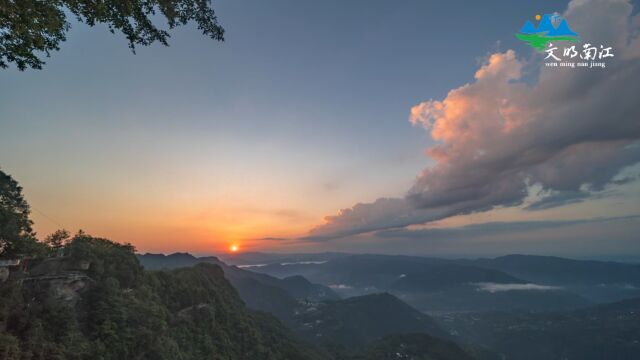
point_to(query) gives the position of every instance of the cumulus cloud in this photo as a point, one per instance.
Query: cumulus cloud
(570, 133)
(496, 287)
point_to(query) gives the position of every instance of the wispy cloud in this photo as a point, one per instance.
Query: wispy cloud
(273, 238)
(492, 228)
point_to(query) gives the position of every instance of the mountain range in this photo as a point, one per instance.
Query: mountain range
(345, 328)
(359, 306)
(432, 285)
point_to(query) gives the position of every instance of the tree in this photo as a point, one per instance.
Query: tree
(30, 29)
(58, 239)
(16, 234)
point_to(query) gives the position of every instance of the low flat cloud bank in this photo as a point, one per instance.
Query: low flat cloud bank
(340, 286)
(497, 287)
(494, 228)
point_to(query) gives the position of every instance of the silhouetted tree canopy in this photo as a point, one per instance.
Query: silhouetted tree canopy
(31, 29)
(16, 234)
(58, 238)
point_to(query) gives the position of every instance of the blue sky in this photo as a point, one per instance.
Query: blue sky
(301, 112)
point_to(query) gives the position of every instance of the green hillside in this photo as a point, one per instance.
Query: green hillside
(115, 310)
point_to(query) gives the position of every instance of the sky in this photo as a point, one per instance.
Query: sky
(364, 126)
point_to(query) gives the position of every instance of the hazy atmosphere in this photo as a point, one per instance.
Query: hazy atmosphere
(328, 180)
(399, 128)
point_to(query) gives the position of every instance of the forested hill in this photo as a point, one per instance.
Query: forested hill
(115, 310)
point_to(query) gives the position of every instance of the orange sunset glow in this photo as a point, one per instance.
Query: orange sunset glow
(411, 182)
(311, 157)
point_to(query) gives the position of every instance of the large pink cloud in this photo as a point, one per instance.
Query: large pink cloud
(570, 133)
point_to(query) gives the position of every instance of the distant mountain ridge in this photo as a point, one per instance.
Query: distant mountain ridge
(346, 327)
(428, 284)
(598, 281)
(557, 270)
(517, 305)
(280, 297)
(259, 258)
(358, 321)
(300, 287)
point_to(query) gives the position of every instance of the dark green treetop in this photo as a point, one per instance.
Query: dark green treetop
(16, 235)
(30, 29)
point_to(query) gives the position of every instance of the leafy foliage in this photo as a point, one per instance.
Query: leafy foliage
(280, 297)
(127, 313)
(16, 235)
(31, 28)
(109, 261)
(57, 239)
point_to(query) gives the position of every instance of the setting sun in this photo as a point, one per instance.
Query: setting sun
(233, 248)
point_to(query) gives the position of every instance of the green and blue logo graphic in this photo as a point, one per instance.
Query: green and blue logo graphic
(546, 32)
